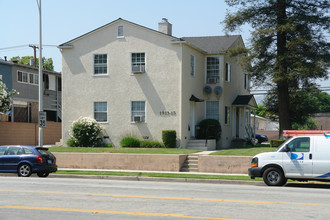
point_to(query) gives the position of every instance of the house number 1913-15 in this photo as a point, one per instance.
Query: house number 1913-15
(167, 113)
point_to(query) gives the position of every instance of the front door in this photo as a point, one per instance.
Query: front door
(192, 119)
(237, 122)
(298, 161)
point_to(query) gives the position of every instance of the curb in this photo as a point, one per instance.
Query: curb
(158, 179)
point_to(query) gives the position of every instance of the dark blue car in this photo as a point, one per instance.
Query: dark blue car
(25, 160)
(261, 138)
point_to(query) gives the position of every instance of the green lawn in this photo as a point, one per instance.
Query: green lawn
(246, 151)
(122, 150)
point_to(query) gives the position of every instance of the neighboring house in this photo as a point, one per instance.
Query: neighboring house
(25, 80)
(262, 123)
(135, 80)
(323, 121)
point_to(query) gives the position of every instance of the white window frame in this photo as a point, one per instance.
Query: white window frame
(27, 75)
(227, 115)
(139, 64)
(213, 115)
(214, 78)
(192, 65)
(141, 113)
(228, 72)
(120, 31)
(100, 112)
(100, 65)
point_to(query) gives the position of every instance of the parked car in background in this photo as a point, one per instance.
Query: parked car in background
(261, 138)
(25, 160)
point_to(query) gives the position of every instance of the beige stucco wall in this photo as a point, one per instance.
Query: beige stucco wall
(159, 87)
(153, 162)
(224, 164)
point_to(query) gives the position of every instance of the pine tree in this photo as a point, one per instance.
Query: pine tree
(288, 49)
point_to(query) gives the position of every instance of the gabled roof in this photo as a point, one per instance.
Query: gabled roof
(119, 19)
(212, 44)
(245, 100)
(209, 45)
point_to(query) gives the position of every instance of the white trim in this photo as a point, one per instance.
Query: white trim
(28, 78)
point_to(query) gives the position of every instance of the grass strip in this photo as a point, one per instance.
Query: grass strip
(247, 151)
(161, 175)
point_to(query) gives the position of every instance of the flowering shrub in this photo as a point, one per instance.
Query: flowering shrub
(86, 132)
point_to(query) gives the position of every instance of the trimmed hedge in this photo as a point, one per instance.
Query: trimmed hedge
(130, 142)
(276, 142)
(169, 138)
(209, 129)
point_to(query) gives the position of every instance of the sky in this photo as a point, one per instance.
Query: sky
(64, 20)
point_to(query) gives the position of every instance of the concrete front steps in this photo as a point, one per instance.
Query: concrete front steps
(190, 164)
(201, 145)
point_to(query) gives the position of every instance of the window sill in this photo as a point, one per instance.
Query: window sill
(100, 75)
(120, 37)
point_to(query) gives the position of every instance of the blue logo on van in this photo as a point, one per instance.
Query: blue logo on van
(325, 175)
(296, 156)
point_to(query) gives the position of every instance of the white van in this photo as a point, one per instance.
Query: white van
(303, 158)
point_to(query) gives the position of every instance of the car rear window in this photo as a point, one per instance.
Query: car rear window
(44, 152)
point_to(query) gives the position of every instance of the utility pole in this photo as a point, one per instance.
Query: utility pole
(34, 54)
(42, 115)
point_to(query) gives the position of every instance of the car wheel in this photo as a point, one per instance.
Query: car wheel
(274, 177)
(24, 170)
(42, 174)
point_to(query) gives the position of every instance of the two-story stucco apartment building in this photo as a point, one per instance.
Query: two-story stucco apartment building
(25, 80)
(135, 80)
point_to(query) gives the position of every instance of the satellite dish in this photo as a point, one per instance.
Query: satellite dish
(208, 89)
(218, 90)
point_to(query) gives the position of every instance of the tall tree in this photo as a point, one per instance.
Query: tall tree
(47, 63)
(288, 47)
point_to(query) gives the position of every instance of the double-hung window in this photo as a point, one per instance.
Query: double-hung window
(213, 70)
(101, 111)
(100, 64)
(228, 72)
(212, 110)
(227, 115)
(138, 111)
(192, 65)
(138, 62)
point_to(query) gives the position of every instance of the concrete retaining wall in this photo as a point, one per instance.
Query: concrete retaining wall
(152, 162)
(224, 164)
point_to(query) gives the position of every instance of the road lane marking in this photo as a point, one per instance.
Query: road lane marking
(168, 198)
(112, 212)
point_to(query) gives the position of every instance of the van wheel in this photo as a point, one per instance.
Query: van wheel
(274, 177)
(24, 170)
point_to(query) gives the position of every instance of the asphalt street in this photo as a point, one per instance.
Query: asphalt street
(74, 198)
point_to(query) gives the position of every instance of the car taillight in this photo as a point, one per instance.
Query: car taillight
(54, 160)
(39, 159)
